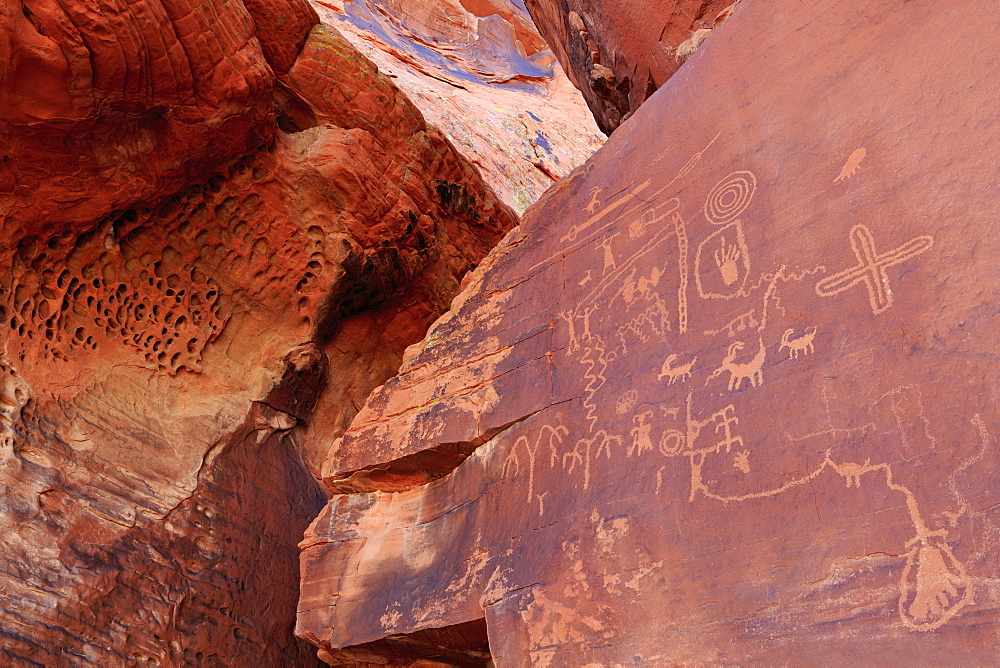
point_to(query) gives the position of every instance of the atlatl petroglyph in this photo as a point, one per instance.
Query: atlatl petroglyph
(934, 585)
(871, 267)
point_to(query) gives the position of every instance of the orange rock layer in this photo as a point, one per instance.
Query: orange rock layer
(727, 395)
(216, 216)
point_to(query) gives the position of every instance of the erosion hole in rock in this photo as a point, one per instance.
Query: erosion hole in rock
(463, 645)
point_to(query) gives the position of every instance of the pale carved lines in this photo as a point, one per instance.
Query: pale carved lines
(797, 345)
(730, 197)
(871, 267)
(673, 373)
(513, 462)
(752, 370)
(852, 164)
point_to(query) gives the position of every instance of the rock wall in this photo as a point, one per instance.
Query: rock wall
(481, 73)
(619, 53)
(215, 216)
(726, 395)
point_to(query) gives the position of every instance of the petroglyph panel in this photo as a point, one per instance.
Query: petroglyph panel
(746, 407)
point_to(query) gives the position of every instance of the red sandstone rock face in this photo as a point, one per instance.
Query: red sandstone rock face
(180, 284)
(619, 53)
(727, 395)
(482, 73)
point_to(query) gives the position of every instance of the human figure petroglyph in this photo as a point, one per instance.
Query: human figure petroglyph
(609, 254)
(672, 373)
(798, 344)
(641, 434)
(871, 267)
(740, 371)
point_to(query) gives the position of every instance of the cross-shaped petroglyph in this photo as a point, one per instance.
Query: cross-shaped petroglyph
(871, 267)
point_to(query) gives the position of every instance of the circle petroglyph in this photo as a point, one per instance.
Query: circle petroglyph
(730, 197)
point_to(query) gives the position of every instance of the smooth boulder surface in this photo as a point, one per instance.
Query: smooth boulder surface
(728, 393)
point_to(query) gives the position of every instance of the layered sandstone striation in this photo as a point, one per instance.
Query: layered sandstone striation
(215, 216)
(481, 73)
(726, 395)
(619, 53)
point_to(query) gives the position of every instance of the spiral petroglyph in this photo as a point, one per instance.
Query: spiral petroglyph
(730, 197)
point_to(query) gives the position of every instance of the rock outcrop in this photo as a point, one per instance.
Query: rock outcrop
(619, 53)
(481, 73)
(727, 394)
(215, 216)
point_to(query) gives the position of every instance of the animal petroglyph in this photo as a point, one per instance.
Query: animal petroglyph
(673, 373)
(871, 267)
(852, 164)
(934, 585)
(574, 230)
(740, 371)
(798, 344)
(594, 201)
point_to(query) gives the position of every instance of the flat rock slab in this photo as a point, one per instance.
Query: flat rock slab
(729, 391)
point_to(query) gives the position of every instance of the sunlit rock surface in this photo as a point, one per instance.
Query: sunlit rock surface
(479, 71)
(727, 395)
(215, 216)
(619, 53)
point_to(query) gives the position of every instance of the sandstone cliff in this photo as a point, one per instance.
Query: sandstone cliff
(215, 215)
(481, 72)
(726, 396)
(619, 53)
